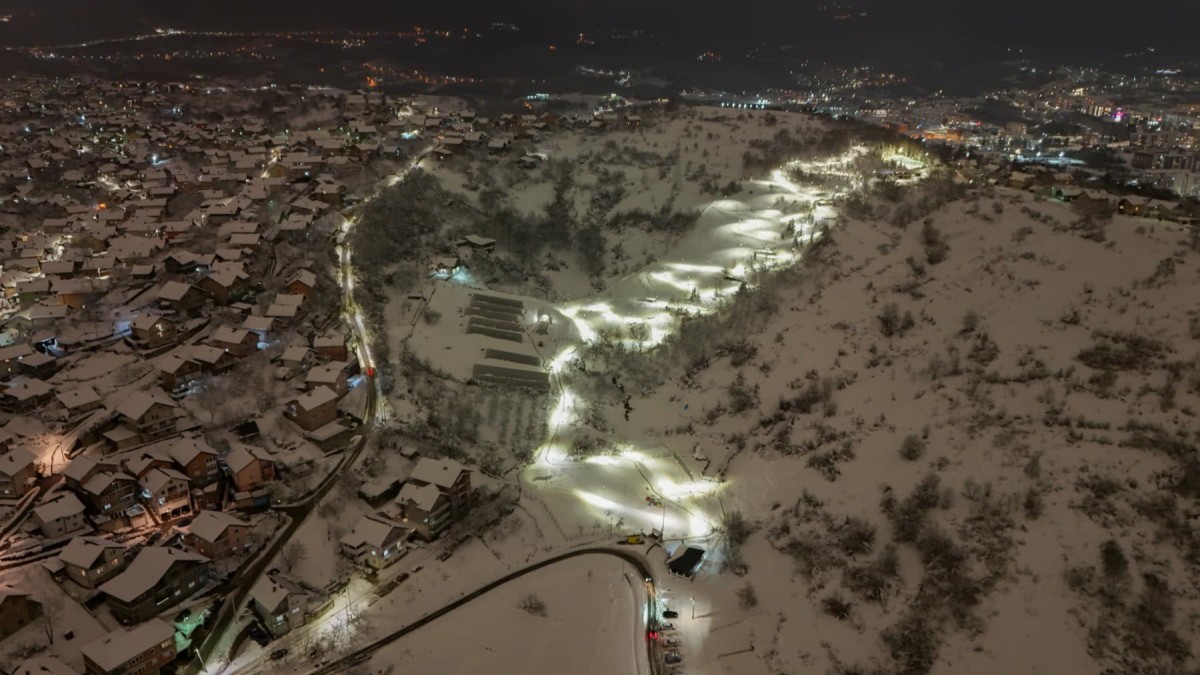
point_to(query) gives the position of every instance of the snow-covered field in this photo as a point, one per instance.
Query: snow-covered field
(589, 625)
(957, 446)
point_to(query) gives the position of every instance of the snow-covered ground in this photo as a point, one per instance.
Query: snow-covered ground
(789, 404)
(590, 626)
(61, 615)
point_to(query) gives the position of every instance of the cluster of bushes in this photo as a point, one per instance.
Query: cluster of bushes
(1135, 631)
(1123, 351)
(934, 243)
(894, 324)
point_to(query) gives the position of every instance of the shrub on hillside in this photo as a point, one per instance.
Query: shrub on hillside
(912, 448)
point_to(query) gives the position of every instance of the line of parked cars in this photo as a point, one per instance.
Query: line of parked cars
(669, 639)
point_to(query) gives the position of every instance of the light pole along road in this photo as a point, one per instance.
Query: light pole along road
(637, 562)
(299, 512)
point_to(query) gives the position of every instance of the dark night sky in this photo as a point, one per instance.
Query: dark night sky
(1064, 26)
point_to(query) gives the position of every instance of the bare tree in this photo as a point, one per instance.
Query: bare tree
(294, 553)
(52, 609)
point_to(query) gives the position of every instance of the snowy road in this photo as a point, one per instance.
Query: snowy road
(610, 622)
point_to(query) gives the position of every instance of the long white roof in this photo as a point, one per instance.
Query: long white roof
(146, 571)
(121, 645)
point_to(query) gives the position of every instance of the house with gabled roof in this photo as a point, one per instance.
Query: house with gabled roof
(25, 393)
(79, 400)
(167, 493)
(144, 649)
(181, 298)
(314, 409)
(332, 347)
(260, 326)
(302, 282)
(423, 508)
(17, 473)
(236, 341)
(149, 414)
(91, 561)
(191, 455)
(212, 360)
(416, 501)
(280, 603)
(60, 516)
(157, 579)
(175, 371)
(217, 534)
(17, 609)
(250, 467)
(332, 375)
(151, 331)
(10, 358)
(221, 285)
(376, 541)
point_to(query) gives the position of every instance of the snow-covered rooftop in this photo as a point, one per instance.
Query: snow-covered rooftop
(121, 645)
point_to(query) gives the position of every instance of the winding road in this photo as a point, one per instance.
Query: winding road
(636, 561)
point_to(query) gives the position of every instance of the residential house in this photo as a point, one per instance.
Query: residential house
(216, 534)
(332, 375)
(167, 493)
(249, 468)
(111, 492)
(39, 366)
(451, 479)
(91, 561)
(260, 326)
(212, 360)
(192, 455)
(280, 603)
(151, 331)
(80, 400)
(423, 508)
(17, 609)
(175, 371)
(150, 415)
(25, 394)
(10, 358)
(157, 579)
(17, 473)
(332, 347)
(302, 283)
(314, 409)
(376, 541)
(181, 298)
(236, 341)
(60, 516)
(475, 242)
(144, 649)
(222, 285)
(296, 357)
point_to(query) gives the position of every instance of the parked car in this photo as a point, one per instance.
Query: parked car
(672, 642)
(670, 614)
(260, 636)
(279, 654)
(672, 658)
(666, 626)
